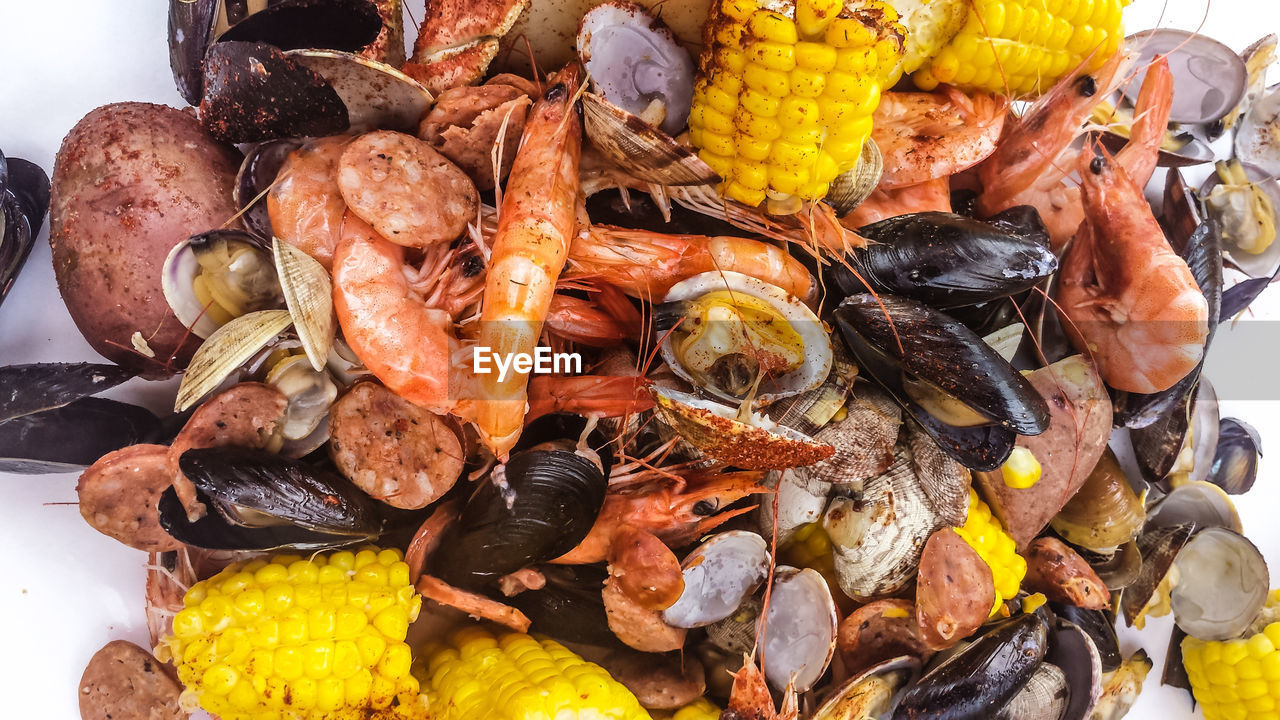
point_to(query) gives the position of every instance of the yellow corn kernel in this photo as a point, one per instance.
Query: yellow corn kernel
(738, 10)
(770, 82)
(813, 16)
(720, 100)
(758, 103)
(733, 62)
(772, 26)
(750, 174)
(807, 83)
(987, 536)
(761, 128)
(816, 56)
(772, 55)
(751, 148)
(721, 164)
(1021, 470)
(717, 144)
(849, 32)
(743, 194)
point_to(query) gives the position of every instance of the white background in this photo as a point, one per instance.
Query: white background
(65, 590)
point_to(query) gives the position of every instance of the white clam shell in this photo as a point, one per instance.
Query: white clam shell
(229, 347)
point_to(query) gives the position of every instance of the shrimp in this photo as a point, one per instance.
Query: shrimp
(1125, 297)
(305, 204)
(750, 698)
(677, 511)
(814, 227)
(927, 136)
(535, 227)
(646, 264)
(931, 196)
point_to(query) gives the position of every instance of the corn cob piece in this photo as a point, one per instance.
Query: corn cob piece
(300, 639)
(783, 101)
(1023, 47)
(985, 534)
(1238, 679)
(480, 675)
(810, 548)
(1022, 470)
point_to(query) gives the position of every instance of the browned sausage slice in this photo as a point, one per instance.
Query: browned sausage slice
(955, 590)
(125, 682)
(659, 682)
(118, 496)
(636, 626)
(645, 568)
(1063, 576)
(411, 194)
(392, 449)
(879, 631)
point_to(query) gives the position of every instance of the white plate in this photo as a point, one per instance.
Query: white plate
(68, 590)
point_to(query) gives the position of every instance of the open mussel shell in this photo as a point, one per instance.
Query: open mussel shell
(850, 189)
(33, 388)
(258, 171)
(641, 149)
(1209, 78)
(16, 241)
(226, 350)
(981, 678)
(347, 25)
(752, 443)
(1237, 215)
(723, 329)
(72, 436)
(872, 693)
(964, 394)
(1158, 547)
(1235, 459)
(534, 508)
(254, 92)
(568, 431)
(1117, 570)
(1100, 626)
(376, 95)
(1105, 512)
(942, 259)
(235, 275)
(1072, 651)
(798, 631)
(1180, 441)
(1222, 585)
(308, 293)
(636, 62)
(1256, 140)
(718, 576)
(191, 26)
(261, 501)
(1200, 503)
(29, 185)
(569, 607)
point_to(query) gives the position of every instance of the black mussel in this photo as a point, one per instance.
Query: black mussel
(1072, 650)
(1240, 296)
(16, 241)
(964, 394)
(1100, 626)
(636, 211)
(258, 500)
(29, 185)
(24, 199)
(1182, 438)
(261, 164)
(1175, 671)
(535, 508)
(190, 30)
(26, 389)
(567, 431)
(1022, 221)
(72, 436)
(253, 92)
(1182, 210)
(1235, 460)
(1159, 548)
(570, 606)
(942, 259)
(1182, 149)
(981, 678)
(346, 25)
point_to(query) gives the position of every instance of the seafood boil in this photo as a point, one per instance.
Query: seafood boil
(752, 360)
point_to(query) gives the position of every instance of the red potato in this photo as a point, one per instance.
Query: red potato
(1079, 427)
(131, 181)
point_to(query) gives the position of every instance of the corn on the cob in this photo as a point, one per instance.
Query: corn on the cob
(784, 99)
(810, 547)
(1238, 679)
(700, 709)
(1025, 46)
(1021, 470)
(483, 676)
(985, 534)
(300, 639)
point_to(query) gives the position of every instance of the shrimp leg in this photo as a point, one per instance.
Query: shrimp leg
(535, 228)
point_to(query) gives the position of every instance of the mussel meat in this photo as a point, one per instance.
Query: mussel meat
(960, 390)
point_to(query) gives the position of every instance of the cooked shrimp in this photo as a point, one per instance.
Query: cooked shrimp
(646, 264)
(931, 196)
(1125, 296)
(815, 227)
(305, 204)
(404, 342)
(1155, 102)
(535, 228)
(927, 136)
(586, 322)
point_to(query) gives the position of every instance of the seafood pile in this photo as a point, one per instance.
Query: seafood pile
(872, 382)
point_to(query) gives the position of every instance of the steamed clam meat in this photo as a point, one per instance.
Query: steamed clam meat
(218, 276)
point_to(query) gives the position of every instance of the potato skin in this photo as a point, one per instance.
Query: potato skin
(131, 181)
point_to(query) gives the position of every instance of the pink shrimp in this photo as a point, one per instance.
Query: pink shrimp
(1126, 298)
(928, 136)
(931, 196)
(305, 204)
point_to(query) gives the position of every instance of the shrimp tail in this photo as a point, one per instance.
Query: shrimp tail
(1150, 121)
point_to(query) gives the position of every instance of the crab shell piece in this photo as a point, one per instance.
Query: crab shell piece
(458, 39)
(712, 428)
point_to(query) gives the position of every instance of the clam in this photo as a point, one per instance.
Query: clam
(736, 634)
(377, 96)
(851, 188)
(742, 339)
(1257, 58)
(811, 410)
(262, 501)
(1222, 585)
(736, 437)
(226, 351)
(641, 149)
(1159, 547)
(719, 575)
(871, 694)
(637, 64)
(1256, 140)
(214, 277)
(1245, 201)
(1105, 513)
(1200, 503)
(1045, 696)
(942, 259)
(964, 394)
(798, 631)
(1235, 459)
(799, 499)
(258, 171)
(311, 393)
(1208, 77)
(308, 293)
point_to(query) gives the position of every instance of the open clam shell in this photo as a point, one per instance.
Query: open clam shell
(234, 271)
(850, 189)
(752, 443)
(641, 149)
(1256, 140)
(1209, 78)
(1235, 459)
(798, 630)
(1200, 503)
(1105, 512)
(718, 576)
(724, 329)
(311, 394)
(377, 96)
(1044, 697)
(1222, 585)
(872, 693)
(1232, 214)
(229, 347)
(308, 293)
